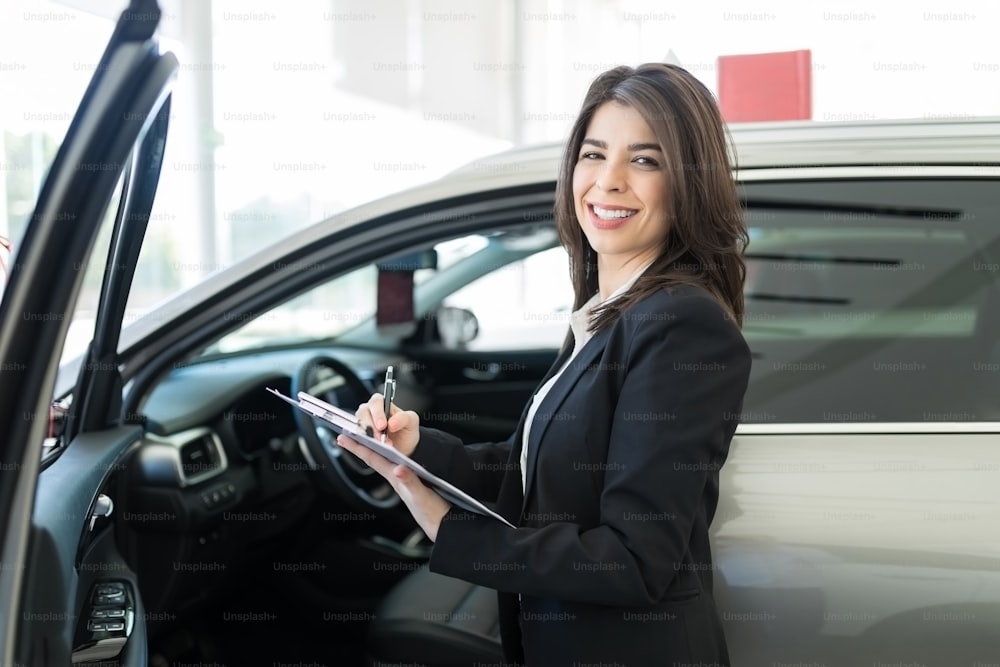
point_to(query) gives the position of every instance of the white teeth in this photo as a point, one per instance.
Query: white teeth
(615, 214)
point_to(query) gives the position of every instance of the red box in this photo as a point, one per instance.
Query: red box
(766, 86)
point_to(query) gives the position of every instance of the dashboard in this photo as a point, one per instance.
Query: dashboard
(220, 476)
(196, 394)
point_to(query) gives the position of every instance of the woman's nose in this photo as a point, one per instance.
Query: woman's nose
(612, 177)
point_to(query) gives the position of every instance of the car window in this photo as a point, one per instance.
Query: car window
(873, 302)
(335, 306)
(84, 317)
(522, 305)
(323, 311)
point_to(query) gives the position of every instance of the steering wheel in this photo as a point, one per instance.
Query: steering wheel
(342, 472)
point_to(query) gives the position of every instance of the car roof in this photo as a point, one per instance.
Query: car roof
(946, 141)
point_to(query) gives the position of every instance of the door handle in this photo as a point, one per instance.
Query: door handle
(102, 508)
(482, 372)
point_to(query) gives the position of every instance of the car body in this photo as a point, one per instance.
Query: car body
(859, 506)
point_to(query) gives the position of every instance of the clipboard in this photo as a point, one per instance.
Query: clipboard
(345, 423)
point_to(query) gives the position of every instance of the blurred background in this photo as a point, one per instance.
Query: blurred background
(287, 113)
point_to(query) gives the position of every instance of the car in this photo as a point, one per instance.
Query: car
(159, 506)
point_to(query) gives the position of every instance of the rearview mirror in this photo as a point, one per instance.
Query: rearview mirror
(394, 308)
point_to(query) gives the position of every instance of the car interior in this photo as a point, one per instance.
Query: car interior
(266, 496)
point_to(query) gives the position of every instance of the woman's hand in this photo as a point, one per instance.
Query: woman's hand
(427, 507)
(402, 426)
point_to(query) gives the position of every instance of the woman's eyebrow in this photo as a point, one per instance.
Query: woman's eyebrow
(632, 147)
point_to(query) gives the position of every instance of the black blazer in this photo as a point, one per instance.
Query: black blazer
(611, 560)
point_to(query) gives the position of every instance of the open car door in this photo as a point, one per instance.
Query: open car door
(66, 594)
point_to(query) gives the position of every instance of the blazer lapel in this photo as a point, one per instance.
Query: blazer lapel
(550, 404)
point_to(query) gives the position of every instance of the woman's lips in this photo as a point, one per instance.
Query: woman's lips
(608, 223)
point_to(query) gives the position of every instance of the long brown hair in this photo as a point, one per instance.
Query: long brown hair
(707, 235)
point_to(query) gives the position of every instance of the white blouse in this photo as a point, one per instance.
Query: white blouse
(578, 322)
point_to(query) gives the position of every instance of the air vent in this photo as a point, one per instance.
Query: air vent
(182, 459)
(201, 458)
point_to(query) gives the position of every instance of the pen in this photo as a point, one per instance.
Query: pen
(388, 393)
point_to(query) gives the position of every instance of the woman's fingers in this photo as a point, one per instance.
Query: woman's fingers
(402, 425)
(364, 415)
(376, 406)
(380, 464)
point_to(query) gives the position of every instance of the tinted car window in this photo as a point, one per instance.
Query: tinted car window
(873, 301)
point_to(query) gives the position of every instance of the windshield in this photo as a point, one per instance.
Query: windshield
(336, 306)
(322, 312)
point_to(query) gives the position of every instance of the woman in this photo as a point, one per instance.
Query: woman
(612, 476)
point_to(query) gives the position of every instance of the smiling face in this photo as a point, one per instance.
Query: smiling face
(620, 189)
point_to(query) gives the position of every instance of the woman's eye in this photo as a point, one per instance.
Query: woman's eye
(647, 161)
(590, 155)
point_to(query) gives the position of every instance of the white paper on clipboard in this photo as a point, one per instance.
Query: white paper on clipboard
(345, 423)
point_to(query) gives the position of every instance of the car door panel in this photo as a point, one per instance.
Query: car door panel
(861, 547)
(66, 558)
(479, 396)
(122, 107)
(105, 565)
